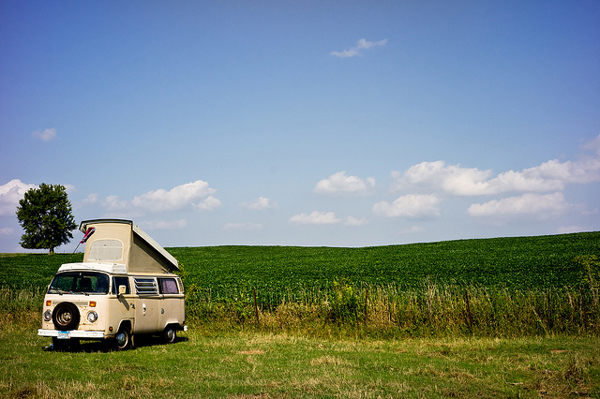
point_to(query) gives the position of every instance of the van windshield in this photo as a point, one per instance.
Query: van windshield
(79, 283)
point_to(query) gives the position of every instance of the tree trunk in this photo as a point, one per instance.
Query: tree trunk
(51, 251)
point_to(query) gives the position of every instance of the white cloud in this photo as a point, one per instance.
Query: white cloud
(210, 203)
(537, 205)
(6, 231)
(339, 183)
(45, 135)
(315, 217)
(409, 206)
(259, 204)
(352, 221)
(247, 226)
(362, 44)
(163, 224)
(438, 176)
(353, 52)
(198, 194)
(456, 180)
(10, 194)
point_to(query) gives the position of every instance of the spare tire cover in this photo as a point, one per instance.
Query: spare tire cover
(65, 316)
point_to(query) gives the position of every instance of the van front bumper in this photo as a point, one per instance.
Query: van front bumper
(72, 334)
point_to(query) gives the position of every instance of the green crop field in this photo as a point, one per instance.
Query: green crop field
(500, 286)
(514, 263)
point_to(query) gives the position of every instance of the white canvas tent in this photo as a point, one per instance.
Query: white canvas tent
(122, 242)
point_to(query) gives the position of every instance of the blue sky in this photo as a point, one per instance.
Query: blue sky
(329, 123)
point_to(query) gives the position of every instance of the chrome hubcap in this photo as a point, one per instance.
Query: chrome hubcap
(121, 339)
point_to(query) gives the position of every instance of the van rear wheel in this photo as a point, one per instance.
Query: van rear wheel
(169, 335)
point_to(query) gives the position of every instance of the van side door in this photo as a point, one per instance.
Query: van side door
(146, 305)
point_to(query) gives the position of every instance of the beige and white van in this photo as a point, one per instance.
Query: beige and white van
(124, 286)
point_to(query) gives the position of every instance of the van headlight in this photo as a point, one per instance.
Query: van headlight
(48, 315)
(92, 317)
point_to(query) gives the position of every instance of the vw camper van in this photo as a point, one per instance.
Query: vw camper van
(124, 286)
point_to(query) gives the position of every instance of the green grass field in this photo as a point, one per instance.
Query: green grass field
(254, 364)
(506, 317)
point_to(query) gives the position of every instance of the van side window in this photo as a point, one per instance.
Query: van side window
(117, 281)
(168, 286)
(146, 286)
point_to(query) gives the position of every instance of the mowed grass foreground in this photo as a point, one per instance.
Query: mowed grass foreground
(254, 364)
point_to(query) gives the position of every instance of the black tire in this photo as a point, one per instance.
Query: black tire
(123, 339)
(169, 335)
(65, 316)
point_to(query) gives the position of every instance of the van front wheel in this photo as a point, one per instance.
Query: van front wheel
(169, 335)
(123, 340)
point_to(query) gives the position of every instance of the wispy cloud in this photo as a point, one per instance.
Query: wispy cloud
(259, 204)
(316, 217)
(357, 50)
(112, 203)
(352, 221)
(413, 229)
(572, 229)
(594, 146)
(164, 224)
(45, 135)
(91, 199)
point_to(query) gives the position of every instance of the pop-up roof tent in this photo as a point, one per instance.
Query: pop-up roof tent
(121, 241)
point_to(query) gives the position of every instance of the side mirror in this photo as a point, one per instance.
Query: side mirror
(122, 290)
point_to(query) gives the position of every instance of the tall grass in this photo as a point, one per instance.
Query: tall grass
(430, 310)
(20, 307)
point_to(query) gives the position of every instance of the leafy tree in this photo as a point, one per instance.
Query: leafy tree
(45, 215)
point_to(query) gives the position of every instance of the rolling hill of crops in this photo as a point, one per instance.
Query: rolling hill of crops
(514, 263)
(502, 286)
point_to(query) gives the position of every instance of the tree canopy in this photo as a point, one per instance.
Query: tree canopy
(45, 214)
